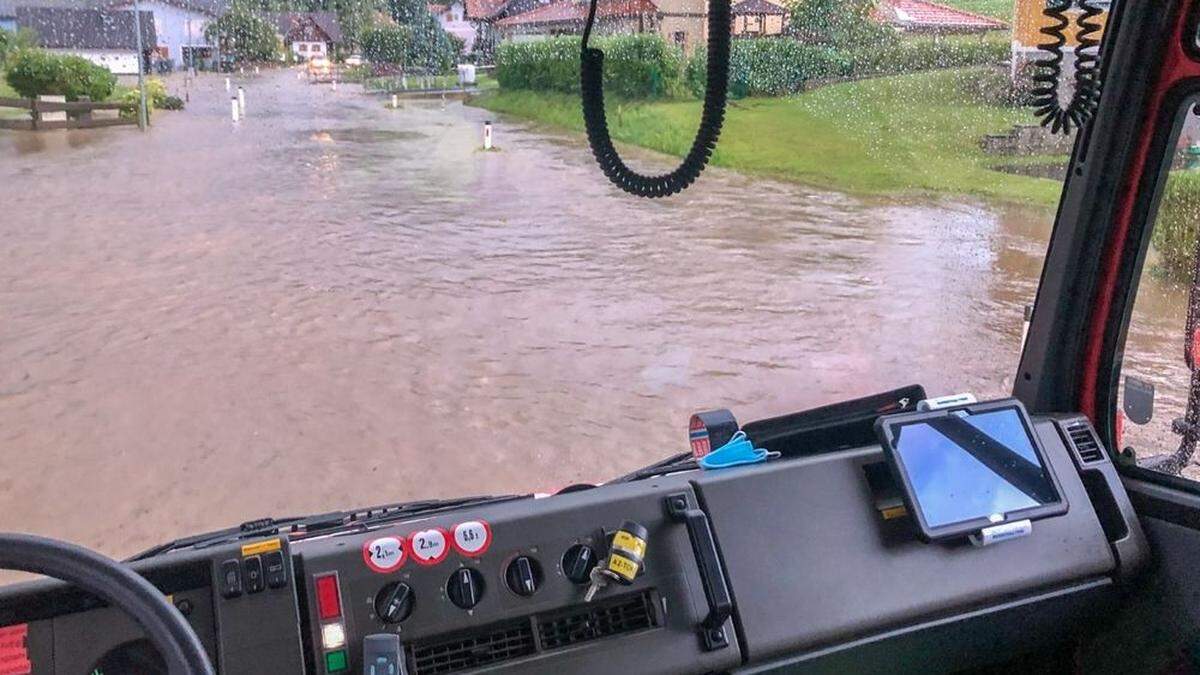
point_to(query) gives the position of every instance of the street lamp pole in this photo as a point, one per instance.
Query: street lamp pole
(141, 55)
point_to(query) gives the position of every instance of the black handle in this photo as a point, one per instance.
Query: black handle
(716, 591)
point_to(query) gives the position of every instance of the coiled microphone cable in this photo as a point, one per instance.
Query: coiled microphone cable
(1086, 96)
(591, 77)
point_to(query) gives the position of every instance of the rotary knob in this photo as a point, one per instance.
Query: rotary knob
(394, 602)
(577, 563)
(523, 576)
(465, 587)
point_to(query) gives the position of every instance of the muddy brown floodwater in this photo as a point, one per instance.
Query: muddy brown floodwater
(334, 304)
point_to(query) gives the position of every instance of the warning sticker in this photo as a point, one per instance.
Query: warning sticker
(384, 554)
(14, 652)
(472, 538)
(429, 547)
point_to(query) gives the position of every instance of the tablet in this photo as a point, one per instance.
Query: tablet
(973, 466)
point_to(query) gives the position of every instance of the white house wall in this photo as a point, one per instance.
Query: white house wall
(118, 61)
(177, 28)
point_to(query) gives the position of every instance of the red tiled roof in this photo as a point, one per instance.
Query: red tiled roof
(758, 7)
(435, 8)
(482, 9)
(571, 10)
(921, 14)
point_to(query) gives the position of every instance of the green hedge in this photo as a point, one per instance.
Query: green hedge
(33, 72)
(635, 66)
(646, 66)
(1178, 223)
(769, 67)
(928, 53)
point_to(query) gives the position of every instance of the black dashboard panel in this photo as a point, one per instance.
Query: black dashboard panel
(650, 626)
(839, 572)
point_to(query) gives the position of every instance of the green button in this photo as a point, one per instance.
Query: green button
(335, 662)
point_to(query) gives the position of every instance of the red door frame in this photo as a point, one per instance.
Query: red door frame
(1178, 65)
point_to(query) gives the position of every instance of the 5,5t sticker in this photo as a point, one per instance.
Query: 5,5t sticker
(472, 538)
(384, 554)
(429, 547)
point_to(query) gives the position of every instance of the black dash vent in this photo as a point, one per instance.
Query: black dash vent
(597, 620)
(500, 642)
(1085, 442)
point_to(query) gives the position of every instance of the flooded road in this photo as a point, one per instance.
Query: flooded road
(335, 304)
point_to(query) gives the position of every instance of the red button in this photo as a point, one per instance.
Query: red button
(329, 599)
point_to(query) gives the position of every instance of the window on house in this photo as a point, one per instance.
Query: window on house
(1159, 414)
(317, 47)
(679, 37)
(303, 48)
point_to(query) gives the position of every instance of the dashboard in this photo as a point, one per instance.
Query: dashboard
(790, 564)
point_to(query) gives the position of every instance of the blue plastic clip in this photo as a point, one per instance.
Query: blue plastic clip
(739, 451)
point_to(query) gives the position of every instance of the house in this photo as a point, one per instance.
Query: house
(922, 16)
(757, 18)
(453, 18)
(308, 35)
(104, 37)
(179, 26)
(566, 17)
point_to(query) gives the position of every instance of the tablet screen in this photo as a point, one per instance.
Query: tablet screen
(964, 466)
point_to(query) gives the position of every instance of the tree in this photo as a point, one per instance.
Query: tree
(838, 23)
(386, 44)
(356, 17)
(432, 49)
(244, 35)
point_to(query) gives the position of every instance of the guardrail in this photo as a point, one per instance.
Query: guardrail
(79, 114)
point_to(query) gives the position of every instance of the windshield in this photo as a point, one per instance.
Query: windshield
(362, 252)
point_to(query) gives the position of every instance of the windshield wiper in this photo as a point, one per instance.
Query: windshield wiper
(302, 526)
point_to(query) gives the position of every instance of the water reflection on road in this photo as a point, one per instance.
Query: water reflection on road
(335, 304)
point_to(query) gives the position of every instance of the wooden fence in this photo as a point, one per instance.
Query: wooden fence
(79, 114)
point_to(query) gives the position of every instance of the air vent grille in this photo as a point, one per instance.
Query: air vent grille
(1086, 445)
(598, 620)
(501, 642)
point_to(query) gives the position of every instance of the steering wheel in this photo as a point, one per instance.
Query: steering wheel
(117, 584)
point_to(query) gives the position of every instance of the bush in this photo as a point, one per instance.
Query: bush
(769, 67)
(33, 72)
(11, 41)
(171, 103)
(635, 66)
(1175, 232)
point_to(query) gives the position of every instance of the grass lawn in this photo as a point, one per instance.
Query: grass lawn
(999, 9)
(909, 134)
(7, 92)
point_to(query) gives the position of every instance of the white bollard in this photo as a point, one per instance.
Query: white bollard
(335, 84)
(255, 70)
(395, 101)
(241, 99)
(404, 82)
(233, 108)
(487, 135)
(227, 84)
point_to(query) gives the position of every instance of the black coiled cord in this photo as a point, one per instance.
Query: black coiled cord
(592, 86)
(1086, 96)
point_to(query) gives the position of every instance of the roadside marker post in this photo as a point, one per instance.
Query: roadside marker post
(233, 107)
(241, 101)
(395, 101)
(227, 84)
(487, 135)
